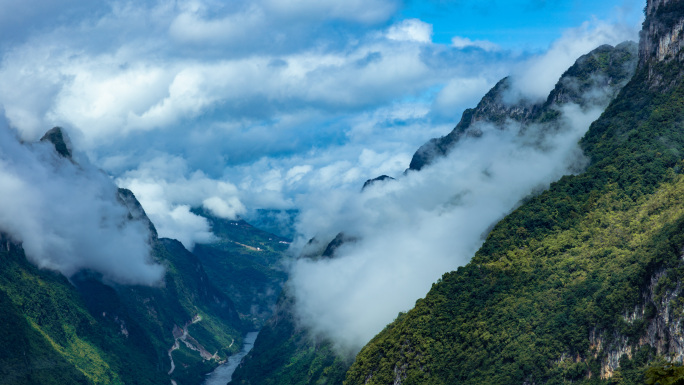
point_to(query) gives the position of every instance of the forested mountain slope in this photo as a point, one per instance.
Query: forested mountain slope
(90, 330)
(286, 353)
(245, 263)
(580, 284)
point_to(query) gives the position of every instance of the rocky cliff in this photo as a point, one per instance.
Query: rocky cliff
(606, 69)
(661, 38)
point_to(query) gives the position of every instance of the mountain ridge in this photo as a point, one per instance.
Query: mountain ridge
(580, 284)
(303, 352)
(598, 69)
(89, 329)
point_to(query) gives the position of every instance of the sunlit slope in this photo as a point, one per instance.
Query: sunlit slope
(88, 329)
(288, 353)
(577, 285)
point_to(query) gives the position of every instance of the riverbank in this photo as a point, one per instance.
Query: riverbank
(224, 373)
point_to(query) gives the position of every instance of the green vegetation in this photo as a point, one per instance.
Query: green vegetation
(48, 335)
(285, 354)
(245, 263)
(665, 374)
(545, 299)
(88, 332)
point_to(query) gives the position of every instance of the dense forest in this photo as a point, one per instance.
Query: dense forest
(580, 284)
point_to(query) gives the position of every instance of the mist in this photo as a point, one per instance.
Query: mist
(411, 231)
(67, 215)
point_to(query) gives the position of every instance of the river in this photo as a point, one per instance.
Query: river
(224, 373)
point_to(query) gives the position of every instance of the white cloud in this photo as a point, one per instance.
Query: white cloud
(228, 208)
(536, 77)
(413, 230)
(168, 190)
(411, 30)
(68, 217)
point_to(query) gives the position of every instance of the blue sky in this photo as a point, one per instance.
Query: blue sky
(514, 24)
(239, 105)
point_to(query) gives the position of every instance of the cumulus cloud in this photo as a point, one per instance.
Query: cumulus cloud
(411, 30)
(153, 81)
(67, 215)
(168, 191)
(410, 231)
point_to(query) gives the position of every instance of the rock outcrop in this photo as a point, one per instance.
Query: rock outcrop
(60, 140)
(661, 37)
(606, 69)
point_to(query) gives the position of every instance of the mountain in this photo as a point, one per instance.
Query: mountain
(246, 264)
(88, 329)
(286, 353)
(592, 81)
(581, 284)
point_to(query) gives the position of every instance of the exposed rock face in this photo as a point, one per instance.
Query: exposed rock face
(662, 37)
(606, 70)
(60, 140)
(663, 329)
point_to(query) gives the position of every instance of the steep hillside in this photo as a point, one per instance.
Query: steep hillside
(592, 81)
(582, 283)
(287, 354)
(246, 264)
(291, 354)
(88, 329)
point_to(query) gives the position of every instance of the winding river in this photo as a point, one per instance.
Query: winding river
(224, 373)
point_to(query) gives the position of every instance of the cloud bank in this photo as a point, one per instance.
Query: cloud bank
(168, 196)
(250, 104)
(411, 231)
(68, 217)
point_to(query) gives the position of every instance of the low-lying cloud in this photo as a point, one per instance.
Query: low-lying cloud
(67, 215)
(168, 192)
(536, 77)
(241, 105)
(411, 231)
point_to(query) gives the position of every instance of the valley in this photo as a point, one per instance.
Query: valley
(540, 240)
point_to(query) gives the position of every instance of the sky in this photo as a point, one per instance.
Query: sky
(239, 105)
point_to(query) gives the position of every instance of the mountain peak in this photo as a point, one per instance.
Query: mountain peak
(60, 140)
(605, 68)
